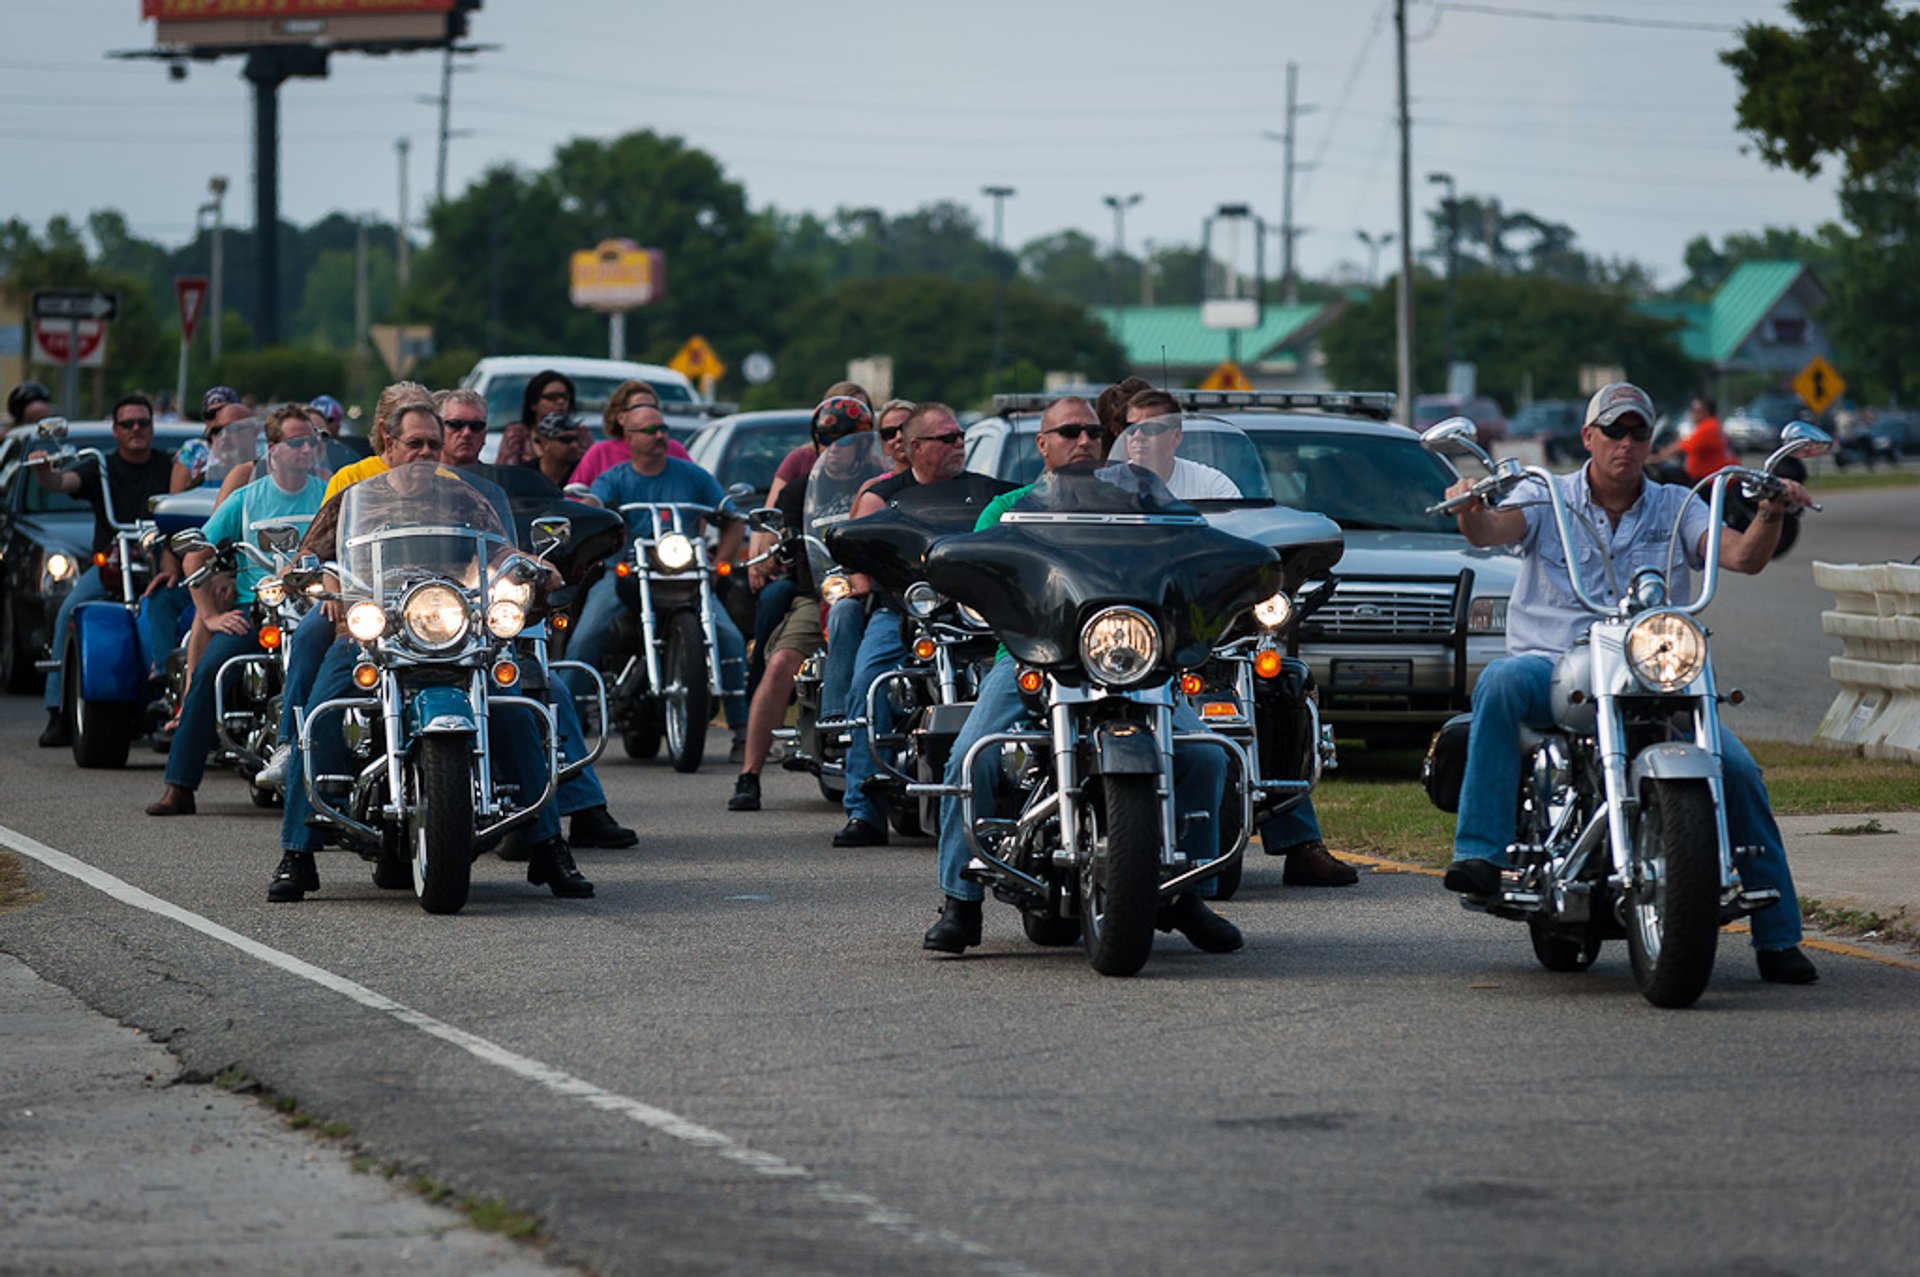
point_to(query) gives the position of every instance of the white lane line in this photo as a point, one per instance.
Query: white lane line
(871, 1209)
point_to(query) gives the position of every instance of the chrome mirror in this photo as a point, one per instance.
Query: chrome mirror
(1800, 439)
(766, 519)
(188, 540)
(550, 532)
(53, 429)
(1455, 437)
(277, 537)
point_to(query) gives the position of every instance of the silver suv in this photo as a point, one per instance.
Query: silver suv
(1416, 613)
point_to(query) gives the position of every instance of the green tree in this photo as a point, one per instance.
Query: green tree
(1708, 266)
(325, 316)
(1071, 266)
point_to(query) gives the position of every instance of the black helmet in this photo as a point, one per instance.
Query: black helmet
(27, 392)
(838, 417)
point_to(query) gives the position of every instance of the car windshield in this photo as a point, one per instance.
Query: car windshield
(1360, 481)
(1205, 441)
(755, 452)
(1198, 458)
(505, 393)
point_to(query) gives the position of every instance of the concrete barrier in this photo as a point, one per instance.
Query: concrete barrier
(1876, 617)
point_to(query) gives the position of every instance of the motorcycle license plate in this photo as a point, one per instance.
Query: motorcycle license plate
(1369, 676)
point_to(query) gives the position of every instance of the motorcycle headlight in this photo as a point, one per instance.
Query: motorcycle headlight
(366, 621)
(506, 619)
(271, 591)
(835, 588)
(1120, 645)
(1272, 613)
(507, 590)
(61, 567)
(922, 600)
(1487, 616)
(674, 550)
(435, 616)
(1666, 650)
(972, 618)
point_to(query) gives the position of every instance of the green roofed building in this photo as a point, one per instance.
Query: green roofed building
(1278, 354)
(1762, 319)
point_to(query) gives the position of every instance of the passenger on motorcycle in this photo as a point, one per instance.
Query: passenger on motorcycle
(847, 619)
(287, 493)
(1295, 832)
(412, 434)
(136, 471)
(1069, 433)
(1628, 521)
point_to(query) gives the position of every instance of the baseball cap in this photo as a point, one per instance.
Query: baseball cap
(217, 398)
(1615, 400)
(556, 425)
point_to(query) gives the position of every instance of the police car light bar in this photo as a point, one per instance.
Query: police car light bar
(1378, 404)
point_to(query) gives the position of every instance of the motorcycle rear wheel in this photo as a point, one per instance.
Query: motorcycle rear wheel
(102, 731)
(1120, 881)
(1049, 930)
(440, 825)
(686, 702)
(1673, 903)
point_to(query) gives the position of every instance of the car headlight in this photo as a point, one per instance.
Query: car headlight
(435, 615)
(1487, 616)
(835, 588)
(922, 600)
(1120, 645)
(61, 567)
(1272, 613)
(507, 590)
(1666, 650)
(366, 621)
(674, 550)
(506, 618)
(271, 591)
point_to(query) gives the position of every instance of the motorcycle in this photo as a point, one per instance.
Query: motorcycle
(436, 595)
(1621, 828)
(1103, 589)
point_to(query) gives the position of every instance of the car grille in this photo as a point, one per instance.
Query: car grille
(1381, 610)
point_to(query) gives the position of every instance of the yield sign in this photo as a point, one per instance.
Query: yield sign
(192, 292)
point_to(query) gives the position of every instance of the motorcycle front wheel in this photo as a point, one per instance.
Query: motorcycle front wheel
(1120, 881)
(440, 823)
(685, 700)
(1673, 902)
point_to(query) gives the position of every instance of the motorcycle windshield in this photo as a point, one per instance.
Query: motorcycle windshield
(843, 467)
(1096, 534)
(891, 544)
(416, 522)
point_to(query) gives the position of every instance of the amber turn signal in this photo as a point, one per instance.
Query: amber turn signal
(924, 648)
(1190, 685)
(506, 673)
(270, 637)
(1031, 681)
(623, 569)
(1267, 663)
(366, 675)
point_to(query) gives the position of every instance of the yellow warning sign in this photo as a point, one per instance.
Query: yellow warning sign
(1226, 377)
(1819, 384)
(696, 360)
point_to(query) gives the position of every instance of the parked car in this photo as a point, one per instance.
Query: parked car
(1484, 413)
(1755, 426)
(1555, 423)
(747, 447)
(1416, 613)
(45, 538)
(1878, 437)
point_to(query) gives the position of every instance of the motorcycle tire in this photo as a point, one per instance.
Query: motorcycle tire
(440, 822)
(263, 795)
(1120, 880)
(904, 816)
(641, 742)
(1050, 931)
(833, 789)
(1673, 902)
(102, 731)
(1560, 953)
(686, 703)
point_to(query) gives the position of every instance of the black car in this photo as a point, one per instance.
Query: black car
(44, 541)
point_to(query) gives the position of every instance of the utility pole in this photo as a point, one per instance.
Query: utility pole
(1452, 208)
(1374, 244)
(402, 145)
(999, 195)
(1406, 221)
(218, 186)
(1289, 285)
(446, 113)
(1146, 274)
(1119, 207)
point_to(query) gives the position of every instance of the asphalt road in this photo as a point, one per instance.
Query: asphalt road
(737, 1059)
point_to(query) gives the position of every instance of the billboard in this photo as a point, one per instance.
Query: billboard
(210, 28)
(205, 10)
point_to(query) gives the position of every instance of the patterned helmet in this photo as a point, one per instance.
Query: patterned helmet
(838, 417)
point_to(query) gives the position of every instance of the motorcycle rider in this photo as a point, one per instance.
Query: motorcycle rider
(1629, 520)
(1705, 446)
(1070, 433)
(27, 404)
(847, 619)
(412, 433)
(287, 492)
(135, 472)
(1295, 832)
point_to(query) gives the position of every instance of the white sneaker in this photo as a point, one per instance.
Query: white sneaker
(274, 774)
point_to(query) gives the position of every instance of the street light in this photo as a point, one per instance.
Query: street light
(218, 186)
(1453, 232)
(1374, 244)
(999, 195)
(1119, 206)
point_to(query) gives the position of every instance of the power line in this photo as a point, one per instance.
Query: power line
(1601, 19)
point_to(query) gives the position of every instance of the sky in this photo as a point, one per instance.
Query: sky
(1612, 116)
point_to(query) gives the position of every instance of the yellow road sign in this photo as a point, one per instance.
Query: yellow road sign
(1226, 377)
(696, 360)
(1819, 384)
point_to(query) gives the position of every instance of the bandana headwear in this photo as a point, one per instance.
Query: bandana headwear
(217, 398)
(556, 425)
(328, 407)
(840, 416)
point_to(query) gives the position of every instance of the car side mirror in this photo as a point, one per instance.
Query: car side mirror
(550, 532)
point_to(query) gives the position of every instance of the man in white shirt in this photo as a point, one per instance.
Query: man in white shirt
(1153, 442)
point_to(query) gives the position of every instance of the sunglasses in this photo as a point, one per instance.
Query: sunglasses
(950, 437)
(465, 423)
(649, 430)
(890, 432)
(303, 442)
(1075, 432)
(134, 423)
(1152, 428)
(1640, 433)
(556, 395)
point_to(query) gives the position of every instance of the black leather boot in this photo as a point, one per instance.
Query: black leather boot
(958, 927)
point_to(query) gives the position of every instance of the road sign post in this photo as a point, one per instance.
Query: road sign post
(696, 362)
(74, 305)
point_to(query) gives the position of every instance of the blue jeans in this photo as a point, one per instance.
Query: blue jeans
(1295, 825)
(589, 644)
(1514, 691)
(846, 623)
(162, 613)
(583, 792)
(881, 649)
(85, 590)
(518, 757)
(1199, 781)
(197, 732)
